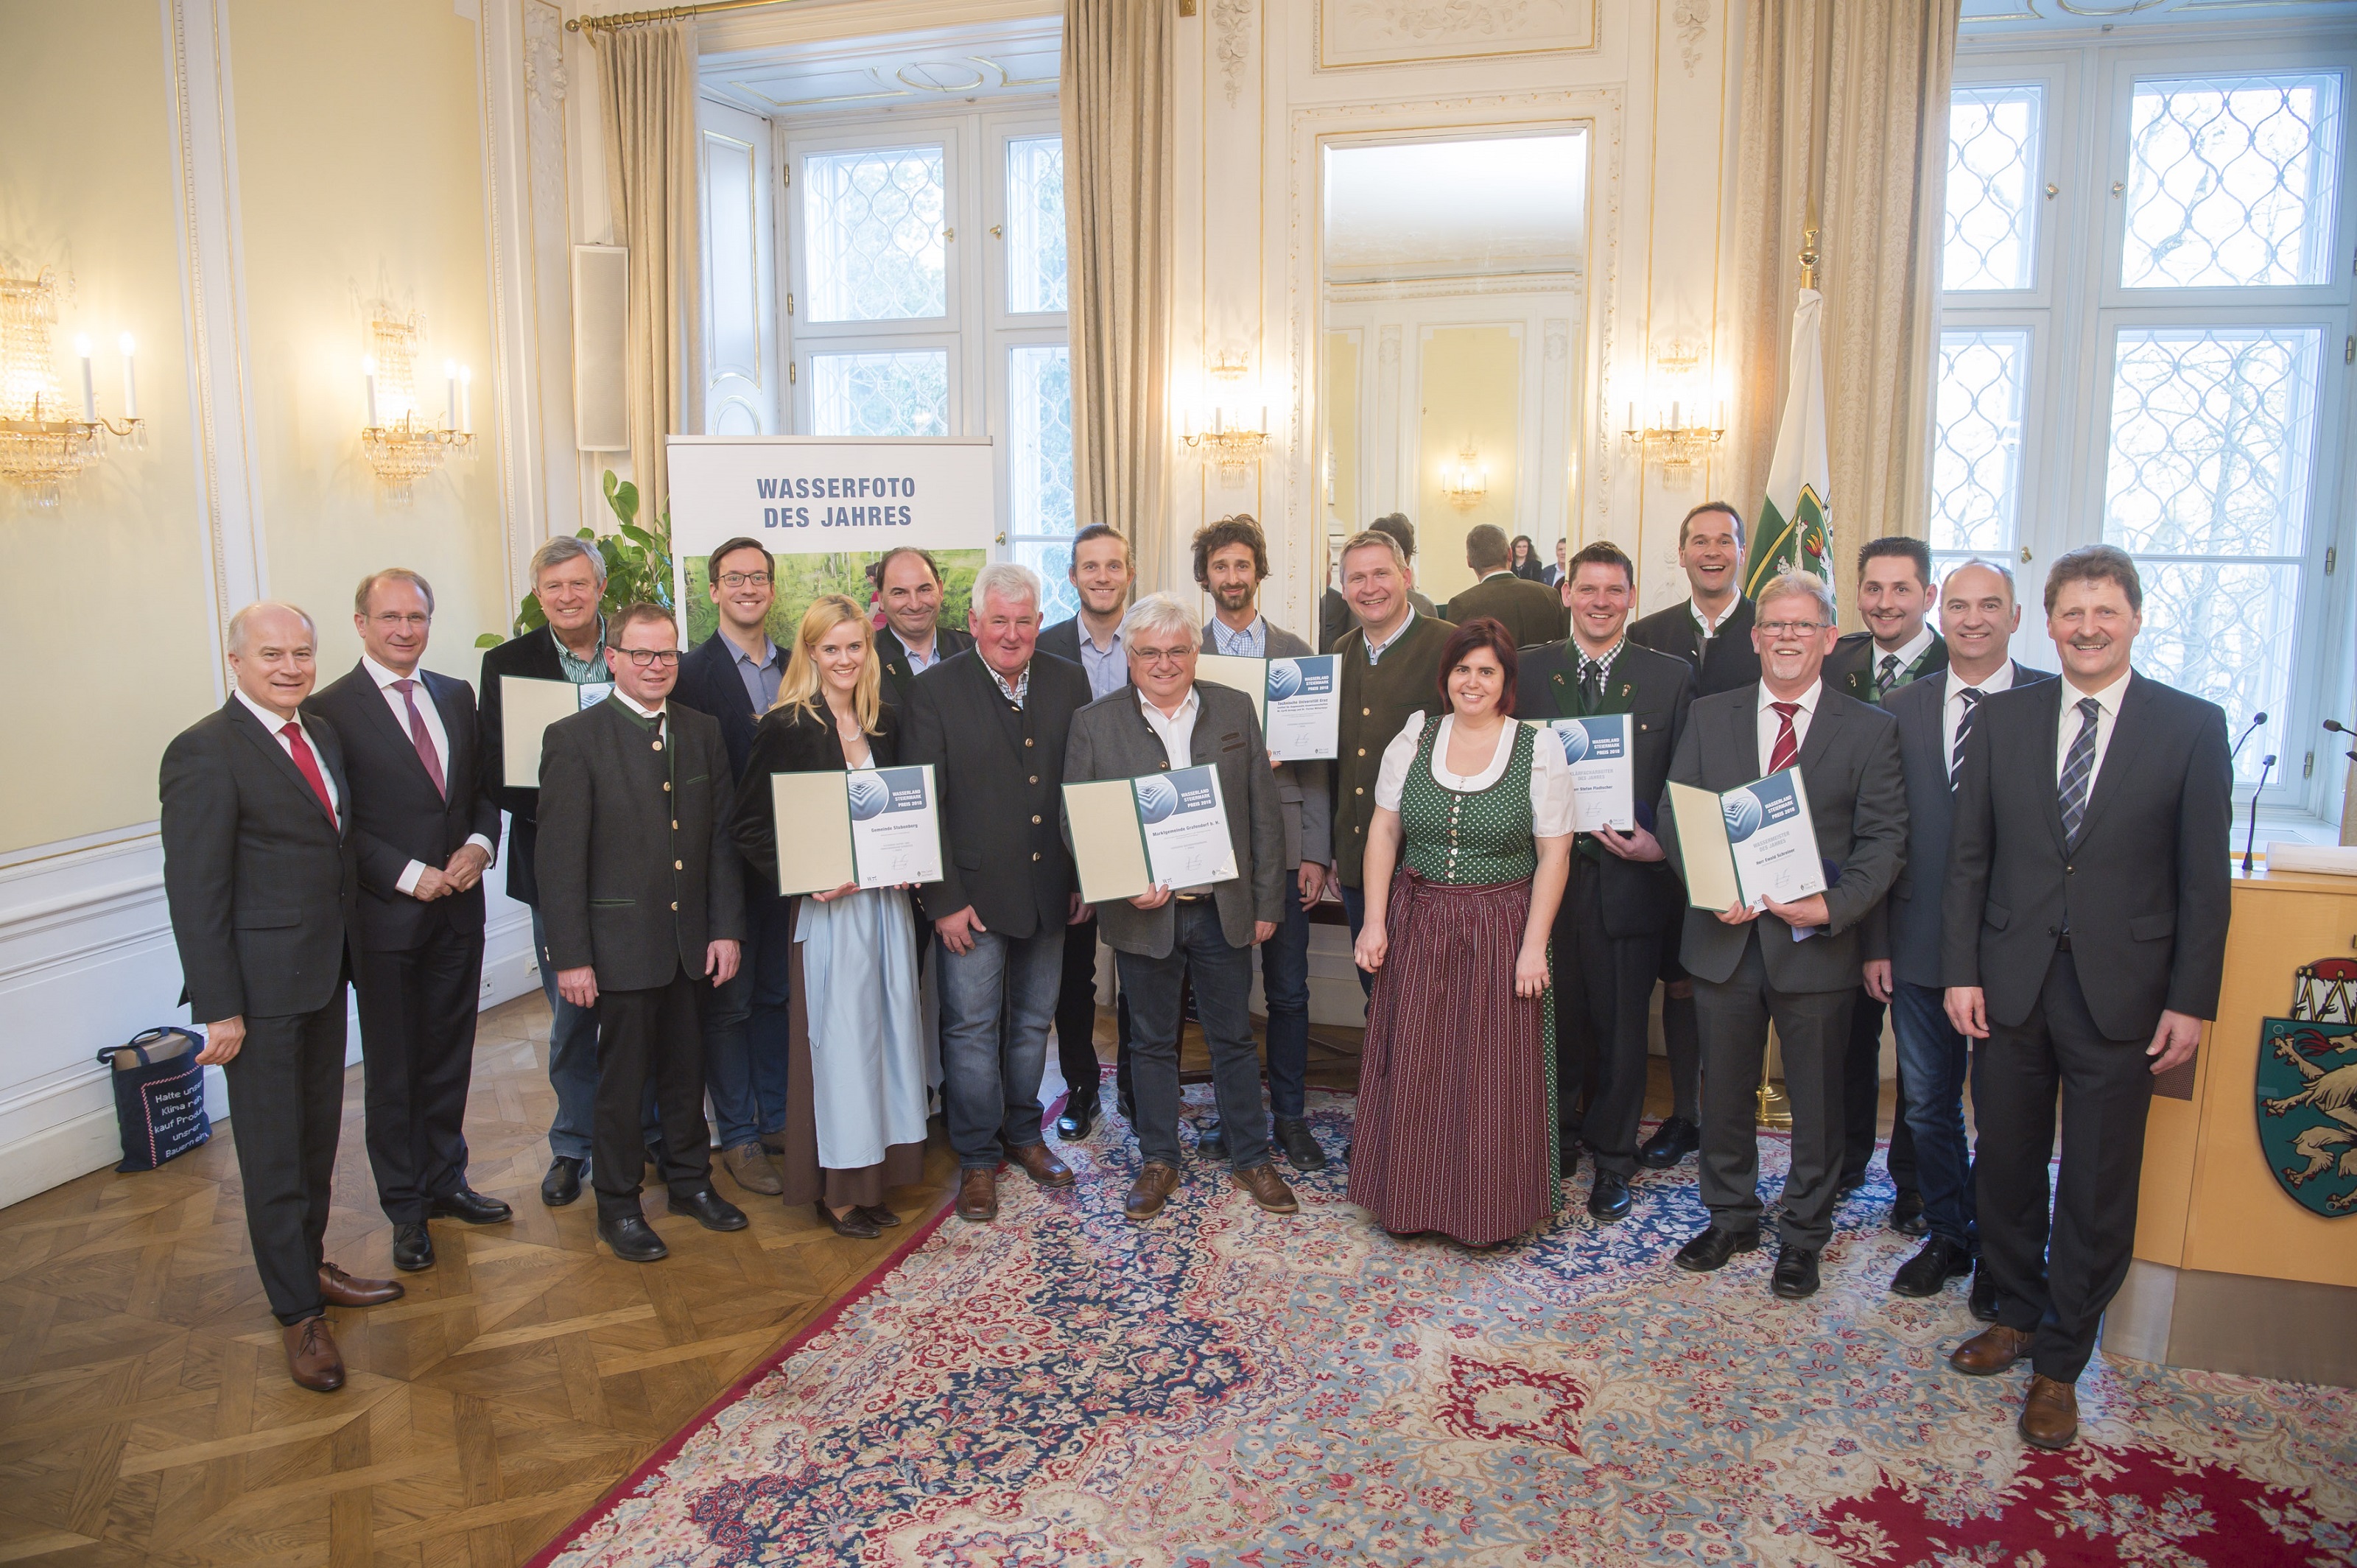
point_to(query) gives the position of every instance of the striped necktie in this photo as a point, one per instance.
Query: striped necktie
(1971, 697)
(1788, 743)
(2079, 772)
(1888, 678)
(422, 738)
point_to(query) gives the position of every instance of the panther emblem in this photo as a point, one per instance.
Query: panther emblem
(2307, 1092)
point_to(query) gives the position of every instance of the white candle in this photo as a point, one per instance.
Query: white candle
(89, 391)
(368, 369)
(1719, 414)
(1675, 424)
(1264, 419)
(130, 378)
(467, 400)
(449, 394)
(1632, 418)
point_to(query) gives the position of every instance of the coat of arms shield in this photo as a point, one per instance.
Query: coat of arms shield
(2308, 1110)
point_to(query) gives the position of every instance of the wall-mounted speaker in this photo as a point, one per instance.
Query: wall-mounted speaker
(601, 318)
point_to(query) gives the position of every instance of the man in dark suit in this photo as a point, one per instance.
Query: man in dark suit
(425, 831)
(913, 640)
(1898, 646)
(262, 880)
(2082, 932)
(1623, 899)
(733, 676)
(642, 895)
(1711, 631)
(1531, 612)
(993, 722)
(1557, 575)
(1902, 947)
(1162, 721)
(1390, 668)
(1796, 964)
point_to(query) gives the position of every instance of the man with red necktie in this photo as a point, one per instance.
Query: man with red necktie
(260, 876)
(425, 831)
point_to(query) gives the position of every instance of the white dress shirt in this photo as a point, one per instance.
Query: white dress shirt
(1951, 712)
(274, 724)
(1176, 731)
(407, 881)
(635, 706)
(1551, 797)
(1907, 653)
(1772, 724)
(1708, 625)
(2107, 718)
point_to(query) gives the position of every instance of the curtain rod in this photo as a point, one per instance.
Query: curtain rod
(668, 13)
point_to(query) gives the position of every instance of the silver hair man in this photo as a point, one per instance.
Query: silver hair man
(239, 622)
(562, 547)
(1797, 585)
(1008, 580)
(1158, 612)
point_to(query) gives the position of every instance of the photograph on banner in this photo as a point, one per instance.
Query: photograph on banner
(826, 509)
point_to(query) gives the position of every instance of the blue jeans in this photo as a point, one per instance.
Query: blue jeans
(1355, 910)
(1285, 987)
(745, 1025)
(1222, 977)
(1932, 1061)
(998, 999)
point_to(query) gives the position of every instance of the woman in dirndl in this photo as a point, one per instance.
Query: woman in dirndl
(1456, 1125)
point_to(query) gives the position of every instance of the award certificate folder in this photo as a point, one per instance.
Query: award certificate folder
(1603, 781)
(874, 827)
(1249, 676)
(1748, 844)
(1162, 830)
(1297, 701)
(527, 707)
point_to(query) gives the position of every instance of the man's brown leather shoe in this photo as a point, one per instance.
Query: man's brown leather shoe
(312, 1359)
(2050, 1416)
(1040, 1166)
(1267, 1188)
(1994, 1349)
(977, 1198)
(337, 1288)
(1155, 1183)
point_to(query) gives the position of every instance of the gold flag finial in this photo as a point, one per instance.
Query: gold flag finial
(1809, 247)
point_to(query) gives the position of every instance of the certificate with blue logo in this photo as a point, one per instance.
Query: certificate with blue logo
(1603, 784)
(1748, 844)
(1297, 701)
(872, 827)
(1162, 829)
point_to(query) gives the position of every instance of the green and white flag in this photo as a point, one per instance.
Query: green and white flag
(1790, 531)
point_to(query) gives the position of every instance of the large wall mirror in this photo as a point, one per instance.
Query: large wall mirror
(1453, 291)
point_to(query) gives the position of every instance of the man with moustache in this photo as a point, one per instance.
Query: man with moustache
(425, 831)
(912, 639)
(2082, 934)
(1935, 714)
(1623, 901)
(1390, 668)
(1711, 631)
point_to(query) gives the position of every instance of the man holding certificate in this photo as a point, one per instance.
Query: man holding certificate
(1771, 934)
(1163, 722)
(1620, 708)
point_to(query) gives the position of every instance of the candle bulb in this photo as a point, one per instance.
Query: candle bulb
(1264, 419)
(466, 400)
(449, 394)
(130, 378)
(1675, 424)
(368, 369)
(1631, 425)
(89, 391)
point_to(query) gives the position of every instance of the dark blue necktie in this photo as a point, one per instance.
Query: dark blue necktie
(2078, 770)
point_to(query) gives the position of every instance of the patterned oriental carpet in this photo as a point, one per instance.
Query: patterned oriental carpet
(1225, 1386)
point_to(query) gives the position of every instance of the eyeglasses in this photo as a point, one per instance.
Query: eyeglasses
(744, 579)
(1791, 628)
(395, 618)
(647, 658)
(1152, 656)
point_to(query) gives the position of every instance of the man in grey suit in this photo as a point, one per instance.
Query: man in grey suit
(1795, 964)
(1164, 721)
(641, 889)
(1979, 616)
(1230, 560)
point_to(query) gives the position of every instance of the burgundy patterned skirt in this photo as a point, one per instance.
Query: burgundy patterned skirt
(1455, 1116)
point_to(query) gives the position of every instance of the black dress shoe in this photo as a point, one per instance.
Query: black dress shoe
(853, 1223)
(1673, 1141)
(1851, 1181)
(1079, 1120)
(633, 1239)
(1982, 1302)
(710, 1210)
(1907, 1215)
(1211, 1140)
(1928, 1271)
(1796, 1273)
(1566, 1158)
(563, 1183)
(1299, 1144)
(1607, 1199)
(412, 1248)
(470, 1206)
(1711, 1249)
(877, 1214)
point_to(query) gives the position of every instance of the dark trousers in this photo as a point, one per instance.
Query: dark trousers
(1681, 1034)
(417, 1047)
(747, 1024)
(2057, 1282)
(1811, 1028)
(1862, 1099)
(1285, 987)
(286, 1106)
(1603, 995)
(1932, 1060)
(1076, 1013)
(1222, 982)
(652, 1036)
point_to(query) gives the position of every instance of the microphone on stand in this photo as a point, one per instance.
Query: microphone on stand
(2337, 727)
(2266, 764)
(2256, 720)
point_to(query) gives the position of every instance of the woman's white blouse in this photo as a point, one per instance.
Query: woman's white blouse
(1551, 808)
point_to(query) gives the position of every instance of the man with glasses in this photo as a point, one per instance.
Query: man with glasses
(1794, 964)
(908, 590)
(425, 830)
(644, 905)
(733, 676)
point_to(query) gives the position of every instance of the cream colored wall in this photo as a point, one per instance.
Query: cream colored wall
(361, 185)
(1471, 394)
(1339, 399)
(111, 590)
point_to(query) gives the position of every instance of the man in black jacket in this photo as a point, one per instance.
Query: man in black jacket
(993, 722)
(425, 831)
(2082, 932)
(641, 893)
(1623, 900)
(262, 879)
(913, 640)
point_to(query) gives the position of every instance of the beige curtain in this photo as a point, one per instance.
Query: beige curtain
(1846, 102)
(646, 92)
(1117, 214)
